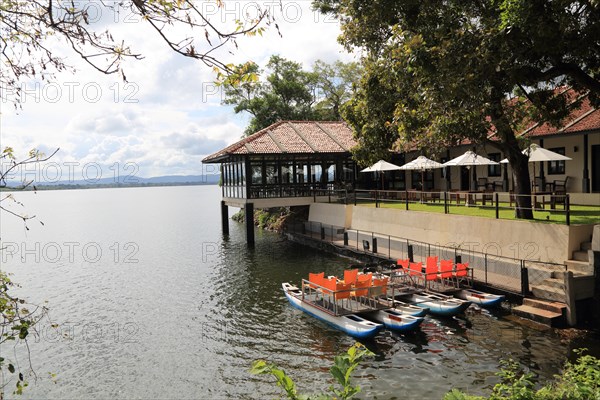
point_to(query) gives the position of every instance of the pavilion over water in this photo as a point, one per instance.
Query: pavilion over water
(289, 163)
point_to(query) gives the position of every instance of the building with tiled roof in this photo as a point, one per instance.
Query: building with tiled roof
(292, 138)
(292, 160)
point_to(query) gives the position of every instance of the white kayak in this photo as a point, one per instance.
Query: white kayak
(352, 324)
(482, 299)
(438, 304)
(395, 320)
(405, 308)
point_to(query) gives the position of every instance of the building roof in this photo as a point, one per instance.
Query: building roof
(292, 137)
(582, 119)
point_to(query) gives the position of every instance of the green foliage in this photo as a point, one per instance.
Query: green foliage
(31, 29)
(289, 92)
(17, 318)
(437, 73)
(579, 381)
(341, 371)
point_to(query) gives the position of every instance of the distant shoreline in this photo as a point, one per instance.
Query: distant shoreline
(32, 188)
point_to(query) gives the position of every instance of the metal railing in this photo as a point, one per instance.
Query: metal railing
(515, 275)
(496, 201)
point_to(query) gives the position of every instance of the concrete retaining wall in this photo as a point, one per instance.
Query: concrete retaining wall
(331, 214)
(517, 239)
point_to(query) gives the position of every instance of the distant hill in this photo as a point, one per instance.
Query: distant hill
(126, 181)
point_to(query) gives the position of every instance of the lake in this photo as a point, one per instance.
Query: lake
(152, 302)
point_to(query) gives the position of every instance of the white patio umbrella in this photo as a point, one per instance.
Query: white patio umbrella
(421, 163)
(537, 153)
(470, 159)
(381, 166)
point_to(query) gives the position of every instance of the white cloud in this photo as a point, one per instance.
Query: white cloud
(169, 114)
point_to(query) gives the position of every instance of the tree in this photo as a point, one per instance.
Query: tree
(291, 93)
(437, 73)
(29, 29)
(17, 317)
(287, 93)
(335, 85)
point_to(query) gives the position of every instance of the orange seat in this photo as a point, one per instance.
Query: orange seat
(317, 279)
(330, 283)
(403, 263)
(416, 269)
(462, 272)
(364, 278)
(431, 262)
(431, 268)
(446, 267)
(342, 291)
(380, 285)
(361, 288)
(350, 275)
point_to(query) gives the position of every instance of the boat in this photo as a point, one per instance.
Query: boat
(395, 320)
(480, 298)
(405, 308)
(438, 304)
(352, 324)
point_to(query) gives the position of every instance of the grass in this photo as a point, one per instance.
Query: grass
(579, 214)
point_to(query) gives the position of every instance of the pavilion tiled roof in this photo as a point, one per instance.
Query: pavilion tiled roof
(292, 137)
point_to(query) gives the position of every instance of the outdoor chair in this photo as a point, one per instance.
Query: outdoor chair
(538, 185)
(416, 270)
(482, 183)
(342, 291)
(350, 276)
(379, 286)
(560, 186)
(431, 271)
(317, 279)
(403, 264)
(445, 274)
(361, 289)
(364, 277)
(462, 274)
(330, 284)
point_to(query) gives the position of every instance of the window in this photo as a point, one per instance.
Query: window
(557, 167)
(257, 174)
(494, 170)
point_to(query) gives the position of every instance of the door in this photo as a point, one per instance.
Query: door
(464, 178)
(596, 168)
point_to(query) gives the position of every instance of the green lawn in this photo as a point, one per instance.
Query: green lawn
(579, 214)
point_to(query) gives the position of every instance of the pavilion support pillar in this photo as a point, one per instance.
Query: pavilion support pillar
(249, 216)
(224, 218)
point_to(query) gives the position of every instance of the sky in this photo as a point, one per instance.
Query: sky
(168, 115)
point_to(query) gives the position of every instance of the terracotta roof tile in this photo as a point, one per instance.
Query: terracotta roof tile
(293, 143)
(292, 137)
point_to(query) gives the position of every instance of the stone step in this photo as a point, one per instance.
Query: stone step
(581, 256)
(580, 266)
(561, 274)
(546, 317)
(555, 282)
(553, 306)
(585, 246)
(548, 293)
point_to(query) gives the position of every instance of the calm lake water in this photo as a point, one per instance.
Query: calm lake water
(152, 302)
